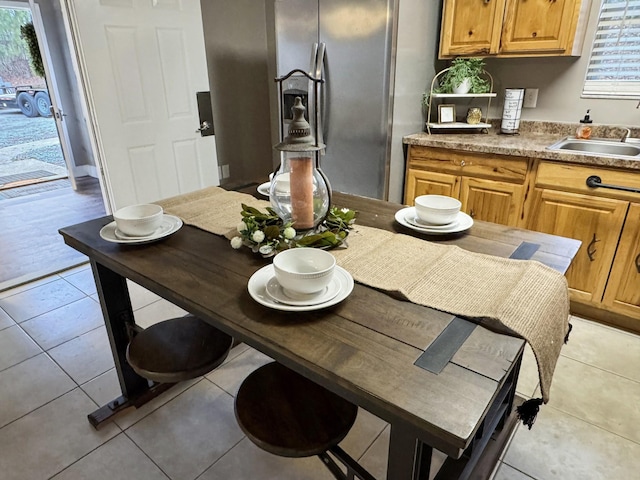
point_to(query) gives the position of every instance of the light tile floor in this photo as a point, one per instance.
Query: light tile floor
(56, 367)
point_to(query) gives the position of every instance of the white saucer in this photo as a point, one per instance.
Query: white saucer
(170, 225)
(123, 236)
(277, 293)
(257, 287)
(462, 223)
(414, 220)
(263, 188)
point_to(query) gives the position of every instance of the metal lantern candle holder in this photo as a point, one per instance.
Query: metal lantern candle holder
(300, 193)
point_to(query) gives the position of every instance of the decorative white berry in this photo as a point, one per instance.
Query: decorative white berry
(258, 236)
(236, 242)
(242, 227)
(289, 233)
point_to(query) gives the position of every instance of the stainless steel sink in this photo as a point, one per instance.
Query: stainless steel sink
(599, 147)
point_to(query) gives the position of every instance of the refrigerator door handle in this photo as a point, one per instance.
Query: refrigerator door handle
(314, 60)
(321, 103)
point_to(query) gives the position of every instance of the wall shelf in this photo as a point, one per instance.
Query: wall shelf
(458, 126)
(484, 124)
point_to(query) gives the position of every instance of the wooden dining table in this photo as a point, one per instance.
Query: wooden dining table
(387, 355)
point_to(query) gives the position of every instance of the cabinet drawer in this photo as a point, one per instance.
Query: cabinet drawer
(573, 178)
(508, 169)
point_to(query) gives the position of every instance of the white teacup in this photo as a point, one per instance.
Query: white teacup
(303, 271)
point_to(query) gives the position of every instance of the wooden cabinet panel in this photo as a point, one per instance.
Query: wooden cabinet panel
(511, 27)
(597, 222)
(623, 289)
(537, 25)
(492, 201)
(420, 182)
(471, 27)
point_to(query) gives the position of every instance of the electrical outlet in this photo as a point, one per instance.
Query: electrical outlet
(530, 98)
(223, 171)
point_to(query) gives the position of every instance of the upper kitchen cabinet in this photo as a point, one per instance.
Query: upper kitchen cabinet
(471, 27)
(512, 28)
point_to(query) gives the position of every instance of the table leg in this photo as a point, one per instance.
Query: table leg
(409, 458)
(119, 321)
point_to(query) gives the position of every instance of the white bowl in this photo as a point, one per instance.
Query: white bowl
(282, 183)
(139, 220)
(437, 209)
(303, 271)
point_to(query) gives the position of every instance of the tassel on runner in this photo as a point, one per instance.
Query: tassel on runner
(528, 411)
(566, 337)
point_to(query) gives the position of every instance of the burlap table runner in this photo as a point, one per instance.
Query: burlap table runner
(524, 297)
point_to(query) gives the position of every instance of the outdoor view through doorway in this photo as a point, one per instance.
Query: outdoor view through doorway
(36, 194)
(29, 145)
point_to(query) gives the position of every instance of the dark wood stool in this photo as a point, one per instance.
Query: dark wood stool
(286, 414)
(178, 349)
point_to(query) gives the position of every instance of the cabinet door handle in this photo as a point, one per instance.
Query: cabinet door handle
(472, 214)
(638, 263)
(591, 248)
(462, 163)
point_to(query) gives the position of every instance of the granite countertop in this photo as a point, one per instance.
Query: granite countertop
(531, 141)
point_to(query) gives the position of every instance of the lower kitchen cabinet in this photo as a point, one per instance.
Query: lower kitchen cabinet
(596, 221)
(551, 197)
(604, 276)
(623, 290)
(491, 188)
(492, 201)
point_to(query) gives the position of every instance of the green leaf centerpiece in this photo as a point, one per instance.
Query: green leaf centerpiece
(267, 234)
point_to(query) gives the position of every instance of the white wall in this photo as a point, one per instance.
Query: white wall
(560, 81)
(416, 53)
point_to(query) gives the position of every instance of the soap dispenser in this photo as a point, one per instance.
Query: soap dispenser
(584, 130)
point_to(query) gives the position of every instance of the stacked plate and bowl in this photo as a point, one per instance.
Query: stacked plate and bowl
(301, 279)
(142, 223)
(435, 215)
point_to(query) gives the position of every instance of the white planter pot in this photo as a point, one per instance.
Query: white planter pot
(463, 88)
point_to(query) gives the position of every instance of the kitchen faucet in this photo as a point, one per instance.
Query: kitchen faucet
(626, 134)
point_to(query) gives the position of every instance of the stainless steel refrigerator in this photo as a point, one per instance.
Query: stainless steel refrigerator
(354, 57)
(249, 43)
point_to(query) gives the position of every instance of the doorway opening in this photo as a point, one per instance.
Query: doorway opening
(29, 144)
(43, 185)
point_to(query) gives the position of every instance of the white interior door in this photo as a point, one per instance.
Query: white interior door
(143, 62)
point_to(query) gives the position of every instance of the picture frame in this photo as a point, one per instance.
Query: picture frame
(446, 113)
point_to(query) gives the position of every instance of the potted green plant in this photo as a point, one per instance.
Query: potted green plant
(466, 75)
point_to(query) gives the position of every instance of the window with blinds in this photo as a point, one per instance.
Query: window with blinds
(614, 67)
